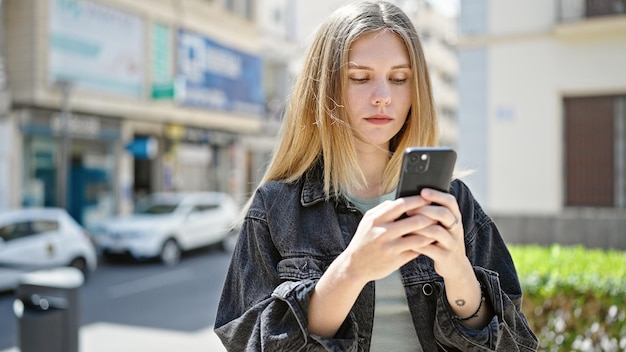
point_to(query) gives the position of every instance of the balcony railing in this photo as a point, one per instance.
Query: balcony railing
(571, 10)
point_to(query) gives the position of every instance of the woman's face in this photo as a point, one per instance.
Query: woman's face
(378, 88)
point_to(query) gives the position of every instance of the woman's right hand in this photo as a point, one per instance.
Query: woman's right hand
(381, 245)
(383, 242)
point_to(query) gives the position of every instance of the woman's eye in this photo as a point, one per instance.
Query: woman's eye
(358, 79)
(399, 80)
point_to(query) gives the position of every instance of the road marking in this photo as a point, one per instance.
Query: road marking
(150, 283)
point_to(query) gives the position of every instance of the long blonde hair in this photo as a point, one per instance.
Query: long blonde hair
(316, 124)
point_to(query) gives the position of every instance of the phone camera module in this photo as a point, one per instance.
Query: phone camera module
(418, 163)
(423, 163)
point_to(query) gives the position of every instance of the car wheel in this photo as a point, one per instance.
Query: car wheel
(170, 253)
(80, 264)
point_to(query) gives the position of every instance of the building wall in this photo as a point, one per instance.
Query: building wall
(201, 132)
(520, 60)
(28, 40)
(533, 63)
(527, 96)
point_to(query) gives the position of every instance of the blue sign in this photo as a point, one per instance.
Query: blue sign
(217, 77)
(143, 147)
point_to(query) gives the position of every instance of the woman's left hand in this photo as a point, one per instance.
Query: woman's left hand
(448, 248)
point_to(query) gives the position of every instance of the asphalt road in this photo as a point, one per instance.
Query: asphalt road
(182, 298)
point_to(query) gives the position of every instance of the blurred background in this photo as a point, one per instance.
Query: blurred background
(104, 102)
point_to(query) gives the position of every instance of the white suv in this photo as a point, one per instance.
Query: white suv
(165, 224)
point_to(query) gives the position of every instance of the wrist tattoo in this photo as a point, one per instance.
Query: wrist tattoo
(460, 302)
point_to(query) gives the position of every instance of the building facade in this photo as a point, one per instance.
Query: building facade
(113, 99)
(103, 101)
(542, 94)
(438, 34)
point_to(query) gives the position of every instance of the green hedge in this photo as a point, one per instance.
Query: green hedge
(574, 297)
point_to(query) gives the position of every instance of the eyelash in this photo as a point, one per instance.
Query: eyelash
(393, 80)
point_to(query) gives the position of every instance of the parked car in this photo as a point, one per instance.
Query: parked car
(166, 224)
(42, 238)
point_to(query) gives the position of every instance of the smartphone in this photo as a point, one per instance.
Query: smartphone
(425, 167)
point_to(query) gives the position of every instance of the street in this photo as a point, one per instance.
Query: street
(182, 299)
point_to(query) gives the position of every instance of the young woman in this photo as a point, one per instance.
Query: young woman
(323, 262)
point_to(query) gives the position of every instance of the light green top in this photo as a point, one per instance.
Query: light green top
(365, 204)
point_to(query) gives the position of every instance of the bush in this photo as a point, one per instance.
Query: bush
(574, 297)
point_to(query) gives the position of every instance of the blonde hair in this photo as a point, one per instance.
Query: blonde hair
(316, 125)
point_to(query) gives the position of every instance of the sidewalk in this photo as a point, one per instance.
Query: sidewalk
(105, 337)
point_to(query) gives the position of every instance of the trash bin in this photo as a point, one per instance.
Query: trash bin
(47, 308)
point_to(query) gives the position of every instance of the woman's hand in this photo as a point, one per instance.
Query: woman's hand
(447, 250)
(378, 248)
(381, 245)
(383, 242)
(447, 245)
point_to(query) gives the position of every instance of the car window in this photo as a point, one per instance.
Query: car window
(40, 226)
(12, 231)
(205, 207)
(157, 209)
(8, 231)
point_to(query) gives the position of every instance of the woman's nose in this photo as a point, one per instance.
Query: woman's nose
(382, 94)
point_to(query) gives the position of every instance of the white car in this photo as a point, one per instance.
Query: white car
(42, 238)
(166, 224)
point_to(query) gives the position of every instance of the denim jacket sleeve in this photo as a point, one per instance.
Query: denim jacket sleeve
(259, 311)
(508, 330)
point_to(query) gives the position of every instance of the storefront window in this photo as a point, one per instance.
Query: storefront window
(40, 171)
(91, 162)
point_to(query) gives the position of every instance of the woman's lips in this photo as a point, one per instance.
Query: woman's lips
(379, 119)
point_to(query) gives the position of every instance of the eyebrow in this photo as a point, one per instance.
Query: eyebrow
(361, 67)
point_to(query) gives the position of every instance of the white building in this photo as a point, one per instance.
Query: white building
(438, 34)
(159, 94)
(102, 101)
(542, 116)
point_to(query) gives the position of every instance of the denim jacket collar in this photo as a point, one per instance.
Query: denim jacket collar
(313, 186)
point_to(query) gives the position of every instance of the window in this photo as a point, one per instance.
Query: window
(206, 207)
(25, 228)
(230, 5)
(41, 226)
(243, 8)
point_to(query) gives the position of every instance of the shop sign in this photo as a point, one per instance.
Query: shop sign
(42, 122)
(143, 147)
(95, 47)
(197, 135)
(217, 77)
(163, 91)
(163, 86)
(88, 126)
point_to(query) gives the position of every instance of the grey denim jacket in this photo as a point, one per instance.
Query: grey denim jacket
(290, 236)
